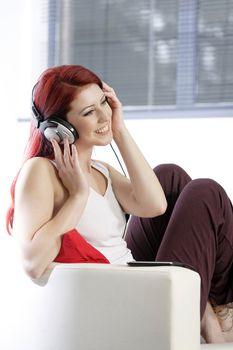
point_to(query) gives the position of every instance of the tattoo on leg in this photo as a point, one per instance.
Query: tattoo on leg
(225, 316)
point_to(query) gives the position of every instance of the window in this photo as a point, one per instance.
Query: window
(160, 55)
(215, 52)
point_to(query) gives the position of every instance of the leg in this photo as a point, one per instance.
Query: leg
(217, 323)
(210, 327)
(224, 315)
(200, 233)
(144, 235)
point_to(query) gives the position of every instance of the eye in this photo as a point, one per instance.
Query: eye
(88, 113)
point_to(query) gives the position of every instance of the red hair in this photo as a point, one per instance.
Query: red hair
(52, 96)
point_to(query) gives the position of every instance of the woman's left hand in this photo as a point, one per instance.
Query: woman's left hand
(117, 116)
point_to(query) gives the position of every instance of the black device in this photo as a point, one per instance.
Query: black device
(54, 128)
(160, 263)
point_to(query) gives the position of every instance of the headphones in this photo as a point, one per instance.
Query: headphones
(54, 127)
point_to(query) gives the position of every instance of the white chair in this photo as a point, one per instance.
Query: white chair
(102, 307)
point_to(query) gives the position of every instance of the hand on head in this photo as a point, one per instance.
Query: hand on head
(116, 106)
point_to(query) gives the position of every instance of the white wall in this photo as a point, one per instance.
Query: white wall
(15, 76)
(203, 147)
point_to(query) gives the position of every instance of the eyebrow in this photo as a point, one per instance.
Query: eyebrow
(91, 105)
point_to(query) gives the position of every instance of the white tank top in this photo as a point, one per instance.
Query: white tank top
(103, 222)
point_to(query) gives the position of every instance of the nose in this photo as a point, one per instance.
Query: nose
(104, 114)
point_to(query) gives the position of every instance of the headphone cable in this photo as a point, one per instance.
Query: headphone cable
(118, 160)
(127, 216)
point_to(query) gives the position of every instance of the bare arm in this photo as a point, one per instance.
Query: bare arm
(38, 224)
(142, 195)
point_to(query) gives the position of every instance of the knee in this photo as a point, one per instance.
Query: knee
(205, 186)
(170, 170)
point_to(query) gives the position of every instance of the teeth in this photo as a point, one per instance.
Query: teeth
(102, 130)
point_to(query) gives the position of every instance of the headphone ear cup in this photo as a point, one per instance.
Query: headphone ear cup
(58, 129)
(51, 133)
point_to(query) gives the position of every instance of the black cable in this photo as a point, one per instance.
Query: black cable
(127, 216)
(118, 160)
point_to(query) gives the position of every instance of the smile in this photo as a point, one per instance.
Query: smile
(103, 130)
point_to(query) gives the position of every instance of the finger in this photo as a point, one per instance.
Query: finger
(106, 87)
(112, 99)
(74, 156)
(67, 155)
(57, 152)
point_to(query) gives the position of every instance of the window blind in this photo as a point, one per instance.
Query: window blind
(215, 52)
(170, 53)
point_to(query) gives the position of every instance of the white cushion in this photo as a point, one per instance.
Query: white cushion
(102, 307)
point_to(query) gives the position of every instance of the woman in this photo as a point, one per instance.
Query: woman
(60, 188)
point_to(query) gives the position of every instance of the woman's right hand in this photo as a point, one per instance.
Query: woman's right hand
(69, 169)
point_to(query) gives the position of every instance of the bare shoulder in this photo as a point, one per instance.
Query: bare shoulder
(38, 162)
(38, 178)
(37, 169)
(39, 175)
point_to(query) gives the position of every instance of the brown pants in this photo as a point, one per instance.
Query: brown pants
(197, 229)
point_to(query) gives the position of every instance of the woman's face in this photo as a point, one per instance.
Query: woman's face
(91, 116)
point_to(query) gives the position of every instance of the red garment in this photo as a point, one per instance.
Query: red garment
(75, 249)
